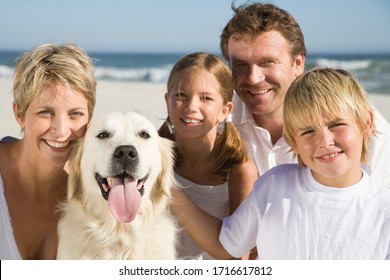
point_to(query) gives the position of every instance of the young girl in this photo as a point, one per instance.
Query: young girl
(211, 161)
(325, 207)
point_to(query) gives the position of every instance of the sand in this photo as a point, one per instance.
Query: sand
(144, 98)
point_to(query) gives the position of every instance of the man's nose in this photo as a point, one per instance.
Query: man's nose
(255, 74)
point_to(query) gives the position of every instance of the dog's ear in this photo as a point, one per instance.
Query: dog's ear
(74, 179)
(166, 178)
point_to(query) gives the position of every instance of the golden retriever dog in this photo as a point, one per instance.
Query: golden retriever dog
(120, 175)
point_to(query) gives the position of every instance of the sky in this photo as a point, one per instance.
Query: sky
(169, 26)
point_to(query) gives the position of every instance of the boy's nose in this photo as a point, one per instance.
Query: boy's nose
(326, 138)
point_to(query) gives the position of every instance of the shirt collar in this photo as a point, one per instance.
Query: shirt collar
(241, 114)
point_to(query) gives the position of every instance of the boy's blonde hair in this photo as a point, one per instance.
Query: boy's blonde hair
(330, 94)
(231, 150)
(65, 64)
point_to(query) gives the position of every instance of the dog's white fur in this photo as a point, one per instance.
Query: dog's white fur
(87, 229)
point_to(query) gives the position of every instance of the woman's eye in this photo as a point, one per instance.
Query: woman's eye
(76, 114)
(45, 113)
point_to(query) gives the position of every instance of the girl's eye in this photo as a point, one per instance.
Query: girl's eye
(179, 96)
(206, 98)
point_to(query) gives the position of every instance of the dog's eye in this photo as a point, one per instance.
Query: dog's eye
(144, 134)
(103, 135)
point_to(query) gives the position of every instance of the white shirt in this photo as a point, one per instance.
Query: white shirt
(378, 166)
(289, 215)
(258, 142)
(8, 247)
(212, 199)
(265, 155)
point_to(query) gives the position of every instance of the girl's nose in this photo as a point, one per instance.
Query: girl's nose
(191, 105)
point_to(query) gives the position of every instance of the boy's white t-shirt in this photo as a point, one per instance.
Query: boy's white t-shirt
(289, 215)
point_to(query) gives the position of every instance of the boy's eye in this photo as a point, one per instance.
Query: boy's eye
(336, 124)
(306, 132)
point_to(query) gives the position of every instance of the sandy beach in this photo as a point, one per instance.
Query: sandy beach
(144, 98)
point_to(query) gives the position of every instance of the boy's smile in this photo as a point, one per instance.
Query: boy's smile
(332, 152)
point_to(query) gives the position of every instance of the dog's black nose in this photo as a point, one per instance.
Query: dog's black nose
(126, 153)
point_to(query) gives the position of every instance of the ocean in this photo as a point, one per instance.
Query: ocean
(372, 70)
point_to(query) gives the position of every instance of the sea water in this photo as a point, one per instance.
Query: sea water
(372, 70)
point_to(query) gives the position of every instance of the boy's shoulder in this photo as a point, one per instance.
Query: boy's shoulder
(286, 169)
(280, 182)
(289, 172)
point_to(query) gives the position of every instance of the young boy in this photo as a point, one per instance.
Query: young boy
(325, 207)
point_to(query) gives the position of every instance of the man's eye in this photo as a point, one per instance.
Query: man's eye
(266, 62)
(240, 66)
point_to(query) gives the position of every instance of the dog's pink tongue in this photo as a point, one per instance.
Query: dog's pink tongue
(124, 199)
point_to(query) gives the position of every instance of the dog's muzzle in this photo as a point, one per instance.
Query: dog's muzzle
(105, 187)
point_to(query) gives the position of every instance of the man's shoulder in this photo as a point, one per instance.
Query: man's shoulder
(382, 125)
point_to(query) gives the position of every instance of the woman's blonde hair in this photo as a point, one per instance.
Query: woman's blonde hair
(66, 64)
(330, 94)
(231, 150)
